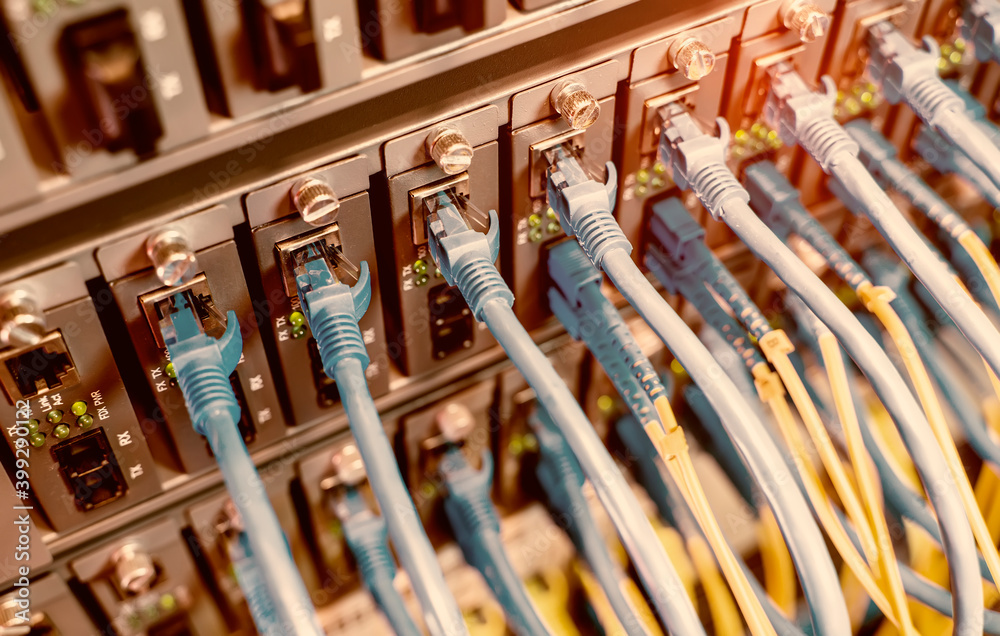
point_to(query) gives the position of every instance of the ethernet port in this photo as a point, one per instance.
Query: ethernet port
(452, 325)
(327, 393)
(90, 470)
(32, 371)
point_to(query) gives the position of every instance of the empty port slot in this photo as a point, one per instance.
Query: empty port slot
(33, 371)
(90, 469)
(105, 64)
(327, 393)
(434, 16)
(452, 325)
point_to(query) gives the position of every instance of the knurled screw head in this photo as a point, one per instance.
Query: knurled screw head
(134, 568)
(455, 422)
(10, 622)
(692, 58)
(173, 259)
(449, 149)
(348, 465)
(809, 20)
(22, 323)
(315, 201)
(574, 102)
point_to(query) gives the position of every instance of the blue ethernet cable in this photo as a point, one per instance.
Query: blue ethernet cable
(946, 159)
(879, 156)
(584, 209)
(252, 583)
(562, 480)
(576, 299)
(981, 27)
(674, 509)
(476, 526)
(806, 118)
(909, 74)
(466, 259)
(203, 365)
(697, 161)
(680, 260)
(332, 309)
(368, 540)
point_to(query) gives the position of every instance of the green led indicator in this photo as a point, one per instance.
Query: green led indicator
(535, 235)
(37, 439)
(61, 431)
(551, 214)
(54, 417)
(534, 220)
(421, 280)
(170, 370)
(553, 228)
(516, 446)
(32, 426)
(85, 421)
(640, 191)
(78, 408)
(659, 167)
(437, 272)
(168, 602)
(642, 176)
(419, 266)
(299, 331)
(297, 318)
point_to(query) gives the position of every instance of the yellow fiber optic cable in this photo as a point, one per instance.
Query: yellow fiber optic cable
(877, 300)
(772, 393)
(670, 443)
(779, 569)
(864, 472)
(776, 347)
(725, 615)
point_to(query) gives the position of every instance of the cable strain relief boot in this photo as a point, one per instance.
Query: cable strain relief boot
(715, 185)
(333, 310)
(585, 207)
(466, 257)
(468, 503)
(827, 142)
(698, 160)
(203, 366)
(367, 538)
(932, 100)
(338, 336)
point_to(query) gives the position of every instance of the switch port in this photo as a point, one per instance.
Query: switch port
(539, 164)
(434, 16)
(459, 184)
(158, 304)
(285, 48)
(327, 239)
(33, 371)
(327, 393)
(90, 470)
(452, 325)
(106, 65)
